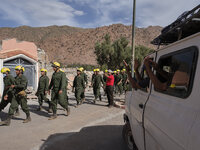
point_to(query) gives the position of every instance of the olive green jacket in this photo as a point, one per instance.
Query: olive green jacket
(21, 83)
(93, 76)
(58, 81)
(104, 78)
(118, 78)
(124, 78)
(43, 84)
(8, 81)
(78, 82)
(84, 76)
(97, 81)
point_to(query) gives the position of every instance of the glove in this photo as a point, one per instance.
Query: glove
(22, 93)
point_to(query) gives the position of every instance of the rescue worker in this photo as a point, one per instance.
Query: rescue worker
(66, 82)
(20, 96)
(79, 87)
(104, 76)
(97, 85)
(104, 79)
(93, 75)
(124, 79)
(42, 90)
(22, 70)
(7, 93)
(115, 81)
(92, 81)
(119, 87)
(84, 76)
(58, 90)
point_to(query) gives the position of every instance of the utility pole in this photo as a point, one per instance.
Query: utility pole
(133, 37)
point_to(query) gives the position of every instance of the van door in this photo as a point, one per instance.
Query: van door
(169, 114)
(137, 106)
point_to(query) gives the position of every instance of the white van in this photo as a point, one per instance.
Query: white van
(170, 119)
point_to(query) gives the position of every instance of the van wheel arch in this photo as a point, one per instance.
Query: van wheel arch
(128, 137)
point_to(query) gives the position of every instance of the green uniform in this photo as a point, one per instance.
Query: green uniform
(19, 98)
(8, 81)
(115, 83)
(79, 85)
(84, 76)
(124, 80)
(66, 85)
(43, 86)
(67, 98)
(58, 82)
(119, 87)
(97, 86)
(104, 78)
(93, 76)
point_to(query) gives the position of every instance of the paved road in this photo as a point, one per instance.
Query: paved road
(89, 127)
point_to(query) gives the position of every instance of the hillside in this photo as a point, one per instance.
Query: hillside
(70, 45)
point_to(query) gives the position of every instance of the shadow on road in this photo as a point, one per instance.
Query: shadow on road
(33, 109)
(92, 103)
(3, 116)
(106, 137)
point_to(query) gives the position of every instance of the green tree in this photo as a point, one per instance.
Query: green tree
(122, 51)
(104, 51)
(111, 55)
(142, 51)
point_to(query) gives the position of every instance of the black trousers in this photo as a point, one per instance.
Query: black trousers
(109, 92)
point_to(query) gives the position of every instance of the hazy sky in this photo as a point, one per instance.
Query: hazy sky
(90, 13)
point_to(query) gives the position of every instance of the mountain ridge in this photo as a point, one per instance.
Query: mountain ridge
(76, 45)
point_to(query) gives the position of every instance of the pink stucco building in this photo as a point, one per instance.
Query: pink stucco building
(13, 52)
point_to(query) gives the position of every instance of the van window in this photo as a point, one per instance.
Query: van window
(145, 83)
(180, 67)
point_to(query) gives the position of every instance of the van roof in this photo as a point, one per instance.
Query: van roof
(186, 25)
(180, 41)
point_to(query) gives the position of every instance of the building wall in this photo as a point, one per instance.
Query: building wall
(31, 69)
(1, 77)
(13, 44)
(12, 49)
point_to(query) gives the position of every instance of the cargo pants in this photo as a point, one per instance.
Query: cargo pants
(58, 98)
(16, 101)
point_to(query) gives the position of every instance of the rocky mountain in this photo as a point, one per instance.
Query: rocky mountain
(70, 45)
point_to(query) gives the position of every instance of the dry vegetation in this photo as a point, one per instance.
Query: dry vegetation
(71, 45)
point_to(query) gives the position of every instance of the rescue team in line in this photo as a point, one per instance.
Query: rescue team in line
(15, 89)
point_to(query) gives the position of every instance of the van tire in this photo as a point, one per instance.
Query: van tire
(128, 137)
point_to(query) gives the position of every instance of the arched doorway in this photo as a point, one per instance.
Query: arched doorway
(30, 69)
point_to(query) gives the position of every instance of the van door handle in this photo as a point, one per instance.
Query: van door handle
(141, 106)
